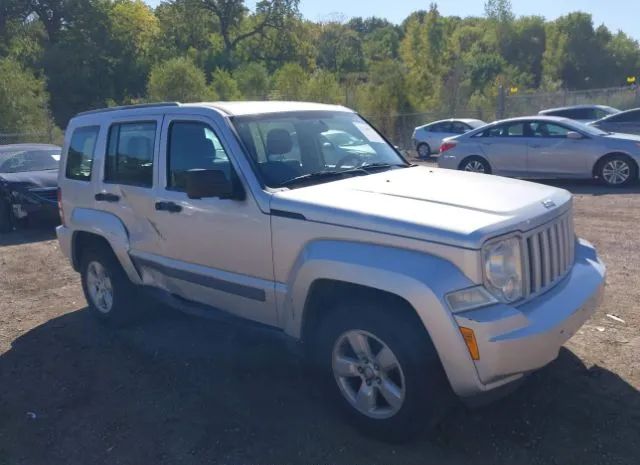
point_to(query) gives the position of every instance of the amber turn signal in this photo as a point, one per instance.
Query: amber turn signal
(470, 340)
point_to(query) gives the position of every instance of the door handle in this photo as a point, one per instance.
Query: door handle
(170, 207)
(106, 197)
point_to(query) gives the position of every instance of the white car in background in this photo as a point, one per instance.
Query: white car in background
(428, 138)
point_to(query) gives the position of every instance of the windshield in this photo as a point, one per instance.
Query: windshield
(310, 145)
(29, 160)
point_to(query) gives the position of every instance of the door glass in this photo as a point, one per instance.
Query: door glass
(541, 129)
(505, 130)
(193, 145)
(459, 128)
(129, 157)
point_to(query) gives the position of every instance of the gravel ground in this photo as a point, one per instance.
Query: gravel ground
(178, 390)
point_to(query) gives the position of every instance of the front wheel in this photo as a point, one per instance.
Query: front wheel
(382, 369)
(617, 171)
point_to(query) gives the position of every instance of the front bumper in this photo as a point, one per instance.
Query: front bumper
(513, 341)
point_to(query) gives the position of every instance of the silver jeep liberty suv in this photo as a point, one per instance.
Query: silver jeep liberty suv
(405, 283)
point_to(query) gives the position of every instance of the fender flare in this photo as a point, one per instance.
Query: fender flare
(419, 278)
(109, 227)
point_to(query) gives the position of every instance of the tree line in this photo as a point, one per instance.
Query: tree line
(59, 57)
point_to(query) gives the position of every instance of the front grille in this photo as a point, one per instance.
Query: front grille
(549, 254)
(49, 194)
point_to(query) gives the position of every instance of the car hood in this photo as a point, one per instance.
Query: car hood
(624, 137)
(445, 206)
(48, 178)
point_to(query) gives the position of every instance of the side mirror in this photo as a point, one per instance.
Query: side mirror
(203, 183)
(573, 135)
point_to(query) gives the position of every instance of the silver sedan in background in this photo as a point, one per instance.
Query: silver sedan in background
(428, 138)
(627, 122)
(543, 148)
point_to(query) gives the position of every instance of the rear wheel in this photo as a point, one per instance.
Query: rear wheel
(382, 369)
(475, 165)
(424, 151)
(111, 296)
(617, 171)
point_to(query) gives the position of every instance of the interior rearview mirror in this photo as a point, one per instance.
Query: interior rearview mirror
(203, 183)
(574, 135)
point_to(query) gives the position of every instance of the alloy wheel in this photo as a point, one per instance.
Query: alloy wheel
(99, 287)
(474, 166)
(368, 374)
(616, 172)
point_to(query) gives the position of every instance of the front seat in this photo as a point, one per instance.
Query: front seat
(275, 172)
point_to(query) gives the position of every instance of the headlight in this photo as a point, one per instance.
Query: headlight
(502, 261)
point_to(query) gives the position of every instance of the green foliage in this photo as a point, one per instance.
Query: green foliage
(253, 81)
(92, 53)
(178, 79)
(323, 87)
(225, 86)
(23, 100)
(290, 82)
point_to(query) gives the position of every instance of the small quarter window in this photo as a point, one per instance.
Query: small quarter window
(80, 154)
(129, 157)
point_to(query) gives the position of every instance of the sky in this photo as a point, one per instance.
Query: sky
(615, 14)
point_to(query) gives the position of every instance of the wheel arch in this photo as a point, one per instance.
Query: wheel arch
(596, 166)
(94, 227)
(470, 157)
(329, 270)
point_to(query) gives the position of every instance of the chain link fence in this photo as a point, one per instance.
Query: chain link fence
(44, 137)
(622, 98)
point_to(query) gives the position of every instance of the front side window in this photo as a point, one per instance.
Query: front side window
(193, 145)
(505, 130)
(130, 151)
(542, 129)
(315, 146)
(80, 155)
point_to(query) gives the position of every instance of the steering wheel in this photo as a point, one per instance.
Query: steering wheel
(357, 159)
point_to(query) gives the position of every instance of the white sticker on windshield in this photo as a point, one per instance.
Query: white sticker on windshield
(56, 157)
(369, 132)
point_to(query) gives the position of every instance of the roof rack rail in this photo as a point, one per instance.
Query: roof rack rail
(128, 107)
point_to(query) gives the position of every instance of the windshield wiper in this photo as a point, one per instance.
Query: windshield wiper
(381, 166)
(321, 175)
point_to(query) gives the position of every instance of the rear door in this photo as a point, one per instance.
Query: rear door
(552, 154)
(437, 133)
(505, 146)
(127, 176)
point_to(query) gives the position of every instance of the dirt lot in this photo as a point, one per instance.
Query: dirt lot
(178, 390)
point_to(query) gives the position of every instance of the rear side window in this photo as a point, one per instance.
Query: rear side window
(129, 157)
(80, 155)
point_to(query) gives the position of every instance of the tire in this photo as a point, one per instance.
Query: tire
(121, 301)
(617, 171)
(475, 165)
(6, 218)
(424, 151)
(421, 389)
